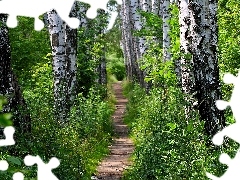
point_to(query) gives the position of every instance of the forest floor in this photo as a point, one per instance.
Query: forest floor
(112, 167)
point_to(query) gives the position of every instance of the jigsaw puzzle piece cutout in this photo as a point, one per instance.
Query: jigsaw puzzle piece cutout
(18, 176)
(232, 172)
(8, 133)
(232, 131)
(234, 102)
(3, 165)
(63, 8)
(27, 8)
(44, 170)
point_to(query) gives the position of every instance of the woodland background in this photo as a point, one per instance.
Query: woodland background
(170, 56)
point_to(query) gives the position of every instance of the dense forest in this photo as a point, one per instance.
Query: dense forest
(56, 87)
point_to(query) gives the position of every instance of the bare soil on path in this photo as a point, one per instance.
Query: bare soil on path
(112, 167)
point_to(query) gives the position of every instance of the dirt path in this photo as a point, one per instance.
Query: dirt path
(113, 165)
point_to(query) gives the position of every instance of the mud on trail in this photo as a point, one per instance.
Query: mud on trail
(112, 167)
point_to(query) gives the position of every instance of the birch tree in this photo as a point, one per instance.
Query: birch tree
(57, 37)
(9, 87)
(184, 66)
(203, 47)
(81, 13)
(126, 35)
(71, 59)
(136, 25)
(166, 28)
(101, 70)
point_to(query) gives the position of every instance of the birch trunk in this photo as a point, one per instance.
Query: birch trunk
(57, 38)
(127, 39)
(81, 13)
(136, 25)
(156, 7)
(184, 65)
(203, 47)
(101, 70)
(9, 87)
(71, 60)
(166, 29)
(146, 5)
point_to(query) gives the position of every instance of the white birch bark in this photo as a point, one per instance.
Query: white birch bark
(166, 29)
(71, 59)
(57, 38)
(9, 87)
(81, 13)
(156, 7)
(136, 25)
(146, 5)
(203, 47)
(127, 37)
(184, 65)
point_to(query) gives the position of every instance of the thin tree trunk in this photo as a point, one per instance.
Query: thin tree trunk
(136, 25)
(127, 39)
(81, 13)
(146, 5)
(57, 38)
(203, 47)
(166, 30)
(184, 69)
(9, 85)
(71, 60)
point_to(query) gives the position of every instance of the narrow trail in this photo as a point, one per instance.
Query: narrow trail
(112, 167)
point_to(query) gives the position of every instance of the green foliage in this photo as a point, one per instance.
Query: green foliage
(167, 145)
(151, 27)
(28, 48)
(84, 139)
(5, 118)
(81, 143)
(116, 67)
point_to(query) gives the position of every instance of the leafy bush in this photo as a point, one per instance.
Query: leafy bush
(167, 145)
(79, 144)
(116, 67)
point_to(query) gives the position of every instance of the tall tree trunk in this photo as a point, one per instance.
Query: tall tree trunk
(136, 25)
(57, 37)
(9, 86)
(127, 39)
(203, 47)
(101, 70)
(146, 5)
(166, 30)
(81, 13)
(71, 60)
(185, 72)
(156, 7)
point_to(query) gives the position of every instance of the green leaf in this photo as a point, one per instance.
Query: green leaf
(172, 126)
(14, 160)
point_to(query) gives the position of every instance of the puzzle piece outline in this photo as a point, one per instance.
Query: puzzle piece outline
(62, 7)
(230, 131)
(44, 169)
(8, 133)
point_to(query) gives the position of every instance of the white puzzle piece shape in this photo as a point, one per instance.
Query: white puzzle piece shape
(232, 131)
(35, 8)
(3, 165)
(44, 170)
(8, 132)
(232, 172)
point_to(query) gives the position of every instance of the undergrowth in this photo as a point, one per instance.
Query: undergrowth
(79, 144)
(167, 145)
